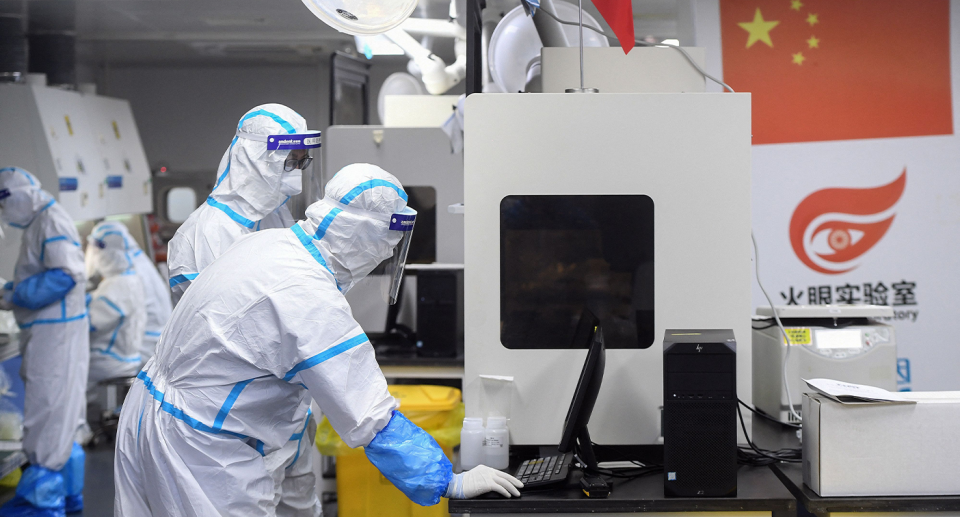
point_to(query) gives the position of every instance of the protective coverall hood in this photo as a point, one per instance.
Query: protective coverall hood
(250, 178)
(108, 251)
(351, 222)
(21, 198)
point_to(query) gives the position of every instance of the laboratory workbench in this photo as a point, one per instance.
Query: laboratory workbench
(791, 475)
(759, 493)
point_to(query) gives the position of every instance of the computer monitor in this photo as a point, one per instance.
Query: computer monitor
(561, 253)
(575, 432)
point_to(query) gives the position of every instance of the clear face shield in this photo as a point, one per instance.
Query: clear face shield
(402, 223)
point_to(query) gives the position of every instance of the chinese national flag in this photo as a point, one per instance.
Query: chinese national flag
(840, 69)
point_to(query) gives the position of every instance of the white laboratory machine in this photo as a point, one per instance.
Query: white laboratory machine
(842, 342)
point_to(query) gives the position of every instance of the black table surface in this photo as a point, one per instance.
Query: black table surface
(792, 477)
(758, 489)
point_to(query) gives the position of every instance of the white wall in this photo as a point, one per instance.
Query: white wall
(187, 115)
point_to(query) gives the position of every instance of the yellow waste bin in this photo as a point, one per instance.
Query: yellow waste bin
(362, 491)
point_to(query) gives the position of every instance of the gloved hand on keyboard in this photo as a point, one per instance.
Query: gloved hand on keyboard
(480, 480)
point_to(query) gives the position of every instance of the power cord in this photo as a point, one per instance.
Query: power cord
(776, 317)
(645, 44)
(765, 416)
(756, 456)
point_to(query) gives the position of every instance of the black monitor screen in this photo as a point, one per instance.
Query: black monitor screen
(559, 254)
(423, 247)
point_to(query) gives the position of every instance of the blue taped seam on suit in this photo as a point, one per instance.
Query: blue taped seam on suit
(140, 421)
(226, 170)
(260, 448)
(152, 333)
(299, 438)
(178, 413)
(179, 279)
(228, 404)
(116, 330)
(327, 354)
(367, 185)
(134, 359)
(21, 171)
(34, 218)
(411, 459)
(231, 213)
(312, 249)
(51, 322)
(43, 246)
(276, 118)
(325, 223)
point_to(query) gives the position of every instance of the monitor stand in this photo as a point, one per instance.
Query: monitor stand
(585, 448)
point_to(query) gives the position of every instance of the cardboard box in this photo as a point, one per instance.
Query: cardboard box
(882, 449)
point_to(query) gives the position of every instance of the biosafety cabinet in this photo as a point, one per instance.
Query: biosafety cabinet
(85, 149)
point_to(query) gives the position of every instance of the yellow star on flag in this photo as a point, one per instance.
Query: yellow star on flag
(813, 42)
(813, 19)
(798, 58)
(759, 29)
(796, 5)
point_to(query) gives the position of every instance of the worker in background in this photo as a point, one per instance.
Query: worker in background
(118, 313)
(47, 299)
(253, 183)
(156, 291)
(263, 329)
(258, 173)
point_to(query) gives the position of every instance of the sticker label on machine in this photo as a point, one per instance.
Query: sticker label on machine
(799, 335)
(68, 184)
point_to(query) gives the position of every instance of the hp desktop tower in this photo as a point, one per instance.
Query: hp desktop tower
(699, 413)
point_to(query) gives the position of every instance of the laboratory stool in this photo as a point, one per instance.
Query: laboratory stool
(116, 391)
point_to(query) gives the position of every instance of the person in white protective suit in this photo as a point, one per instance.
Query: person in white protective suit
(254, 181)
(118, 312)
(258, 173)
(156, 291)
(263, 329)
(48, 301)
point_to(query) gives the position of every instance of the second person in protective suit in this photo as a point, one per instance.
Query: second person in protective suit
(155, 288)
(118, 314)
(262, 330)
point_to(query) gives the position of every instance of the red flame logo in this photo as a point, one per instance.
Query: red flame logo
(833, 227)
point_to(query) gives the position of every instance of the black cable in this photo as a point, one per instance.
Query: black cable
(768, 417)
(760, 456)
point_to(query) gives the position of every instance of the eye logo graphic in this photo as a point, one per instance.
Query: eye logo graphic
(833, 227)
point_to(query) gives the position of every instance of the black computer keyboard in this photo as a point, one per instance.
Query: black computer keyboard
(544, 471)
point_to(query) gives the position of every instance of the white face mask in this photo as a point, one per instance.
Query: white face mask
(291, 183)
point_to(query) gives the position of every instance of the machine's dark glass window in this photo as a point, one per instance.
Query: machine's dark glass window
(559, 254)
(423, 247)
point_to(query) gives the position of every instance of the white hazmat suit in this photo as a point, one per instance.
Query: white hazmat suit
(263, 329)
(251, 186)
(250, 195)
(155, 288)
(47, 297)
(118, 314)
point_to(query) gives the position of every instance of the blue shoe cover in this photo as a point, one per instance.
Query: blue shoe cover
(20, 507)
(74, 503)
(72, 473)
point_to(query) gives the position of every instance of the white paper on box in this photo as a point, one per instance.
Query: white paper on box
(882, 449)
